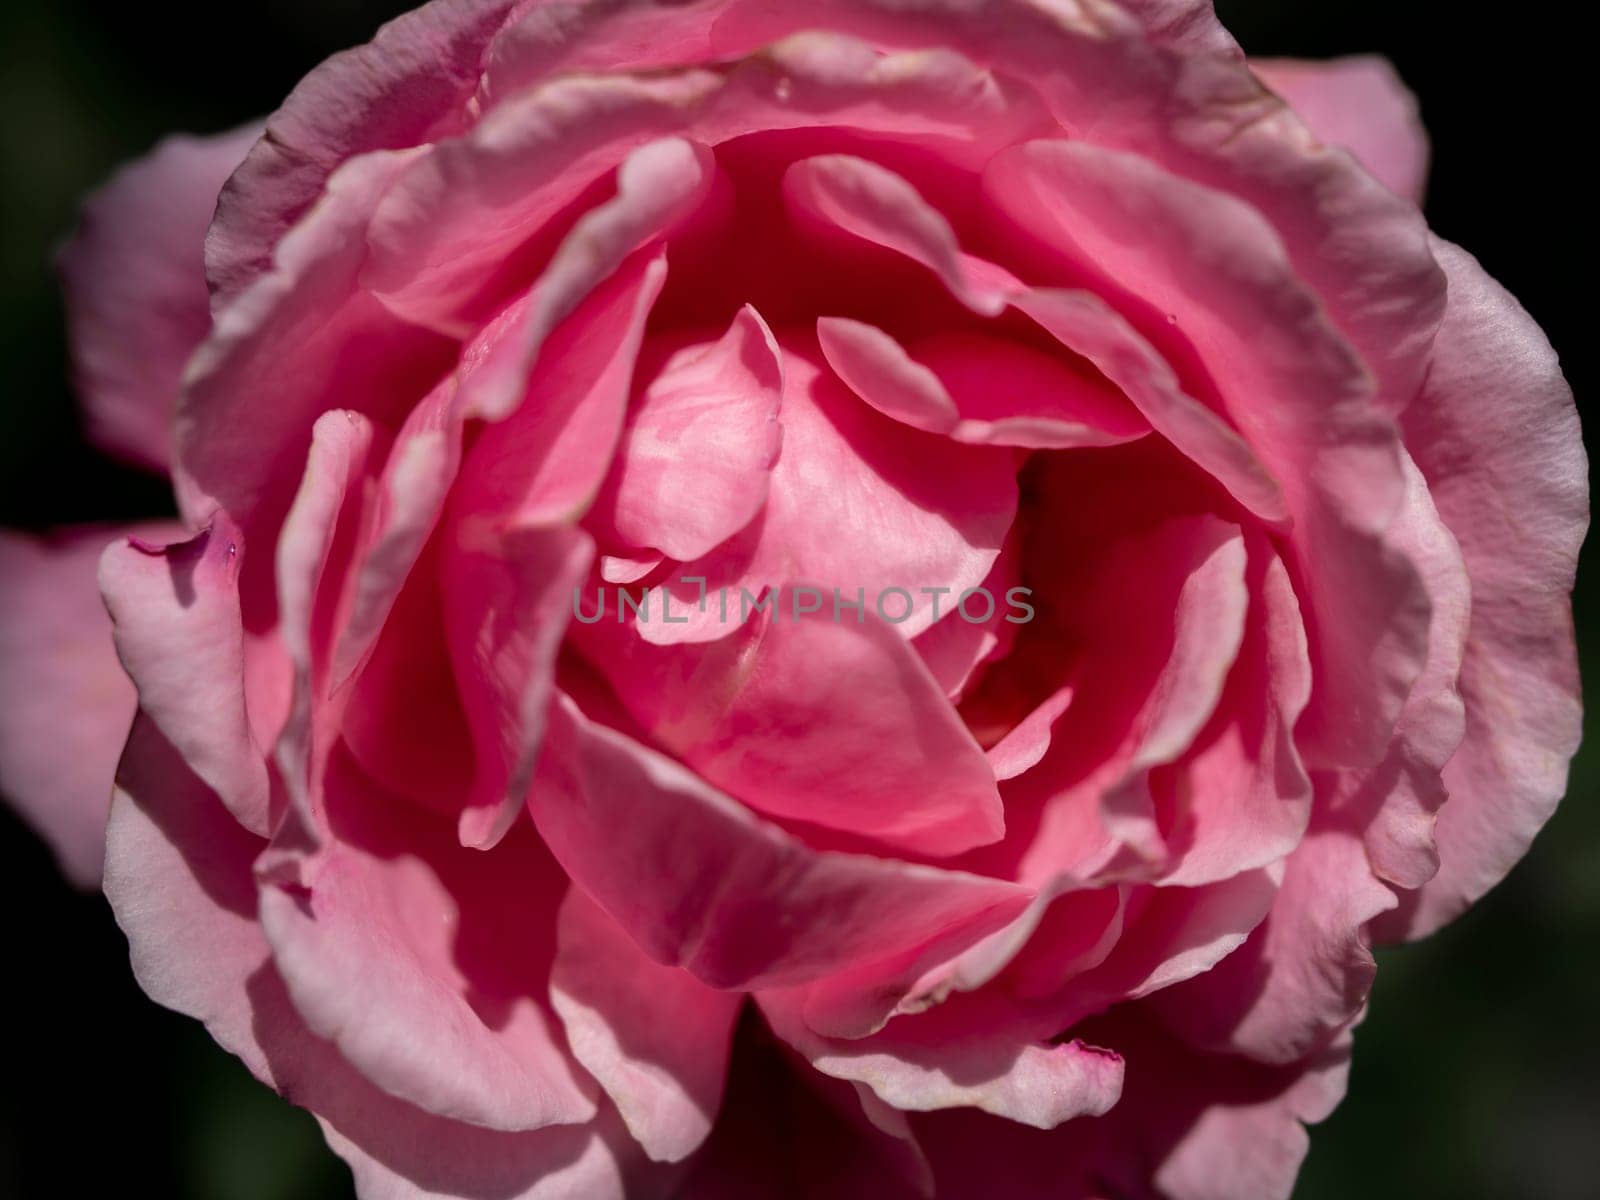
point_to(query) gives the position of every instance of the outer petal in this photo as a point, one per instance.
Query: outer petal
(410, 83)
(1496, 435)
(65, 703)
(1358, 104)
(175, 615)
(134, 275)
(655, 1037)
(426, 962)
(179, 883)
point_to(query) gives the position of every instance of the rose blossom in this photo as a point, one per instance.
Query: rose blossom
(526, 303)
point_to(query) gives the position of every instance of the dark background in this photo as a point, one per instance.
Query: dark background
(1477, 1076)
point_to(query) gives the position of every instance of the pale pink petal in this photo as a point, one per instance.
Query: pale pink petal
(655, 1037)
(701, 882)
(134, 277)
(175, 617)
(1358, 104)
(694, 460)
(179, 882)
(65, 702)
(426, 962)
(1496, 435)
(313, 551)
(956, 1057)
(411, 83)
(1305, 972)
(1396, 801)
(859, 503)
(1188, 1127)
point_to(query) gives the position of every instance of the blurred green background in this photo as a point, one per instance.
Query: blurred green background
(1477, 1075)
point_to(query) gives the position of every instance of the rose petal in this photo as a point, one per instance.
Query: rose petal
(1508, 477)
(134, 277)
(65, 703)
(655, 1037)
(1358, 104)
(700, 882)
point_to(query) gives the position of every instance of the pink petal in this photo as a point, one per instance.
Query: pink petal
(1496, 435)
(178, 879)
(856, 502)
(1138, 706)
(700, 882)
(507, 605)
(655, 1037)
(657, 185)
(1220, 272)
(957, 1057)
(1240, 799)
(300, 341)
(134, 276)
(425, 962)
(1305, 972)
(875, 204)
(545, 462)
(836, 724)
(693, 464)
(175, 617)
(65, 703)
(1358, 104)
(410, 84)
(978, 389)
(1086, 325)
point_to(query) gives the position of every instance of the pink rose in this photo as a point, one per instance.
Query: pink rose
(963, 541)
